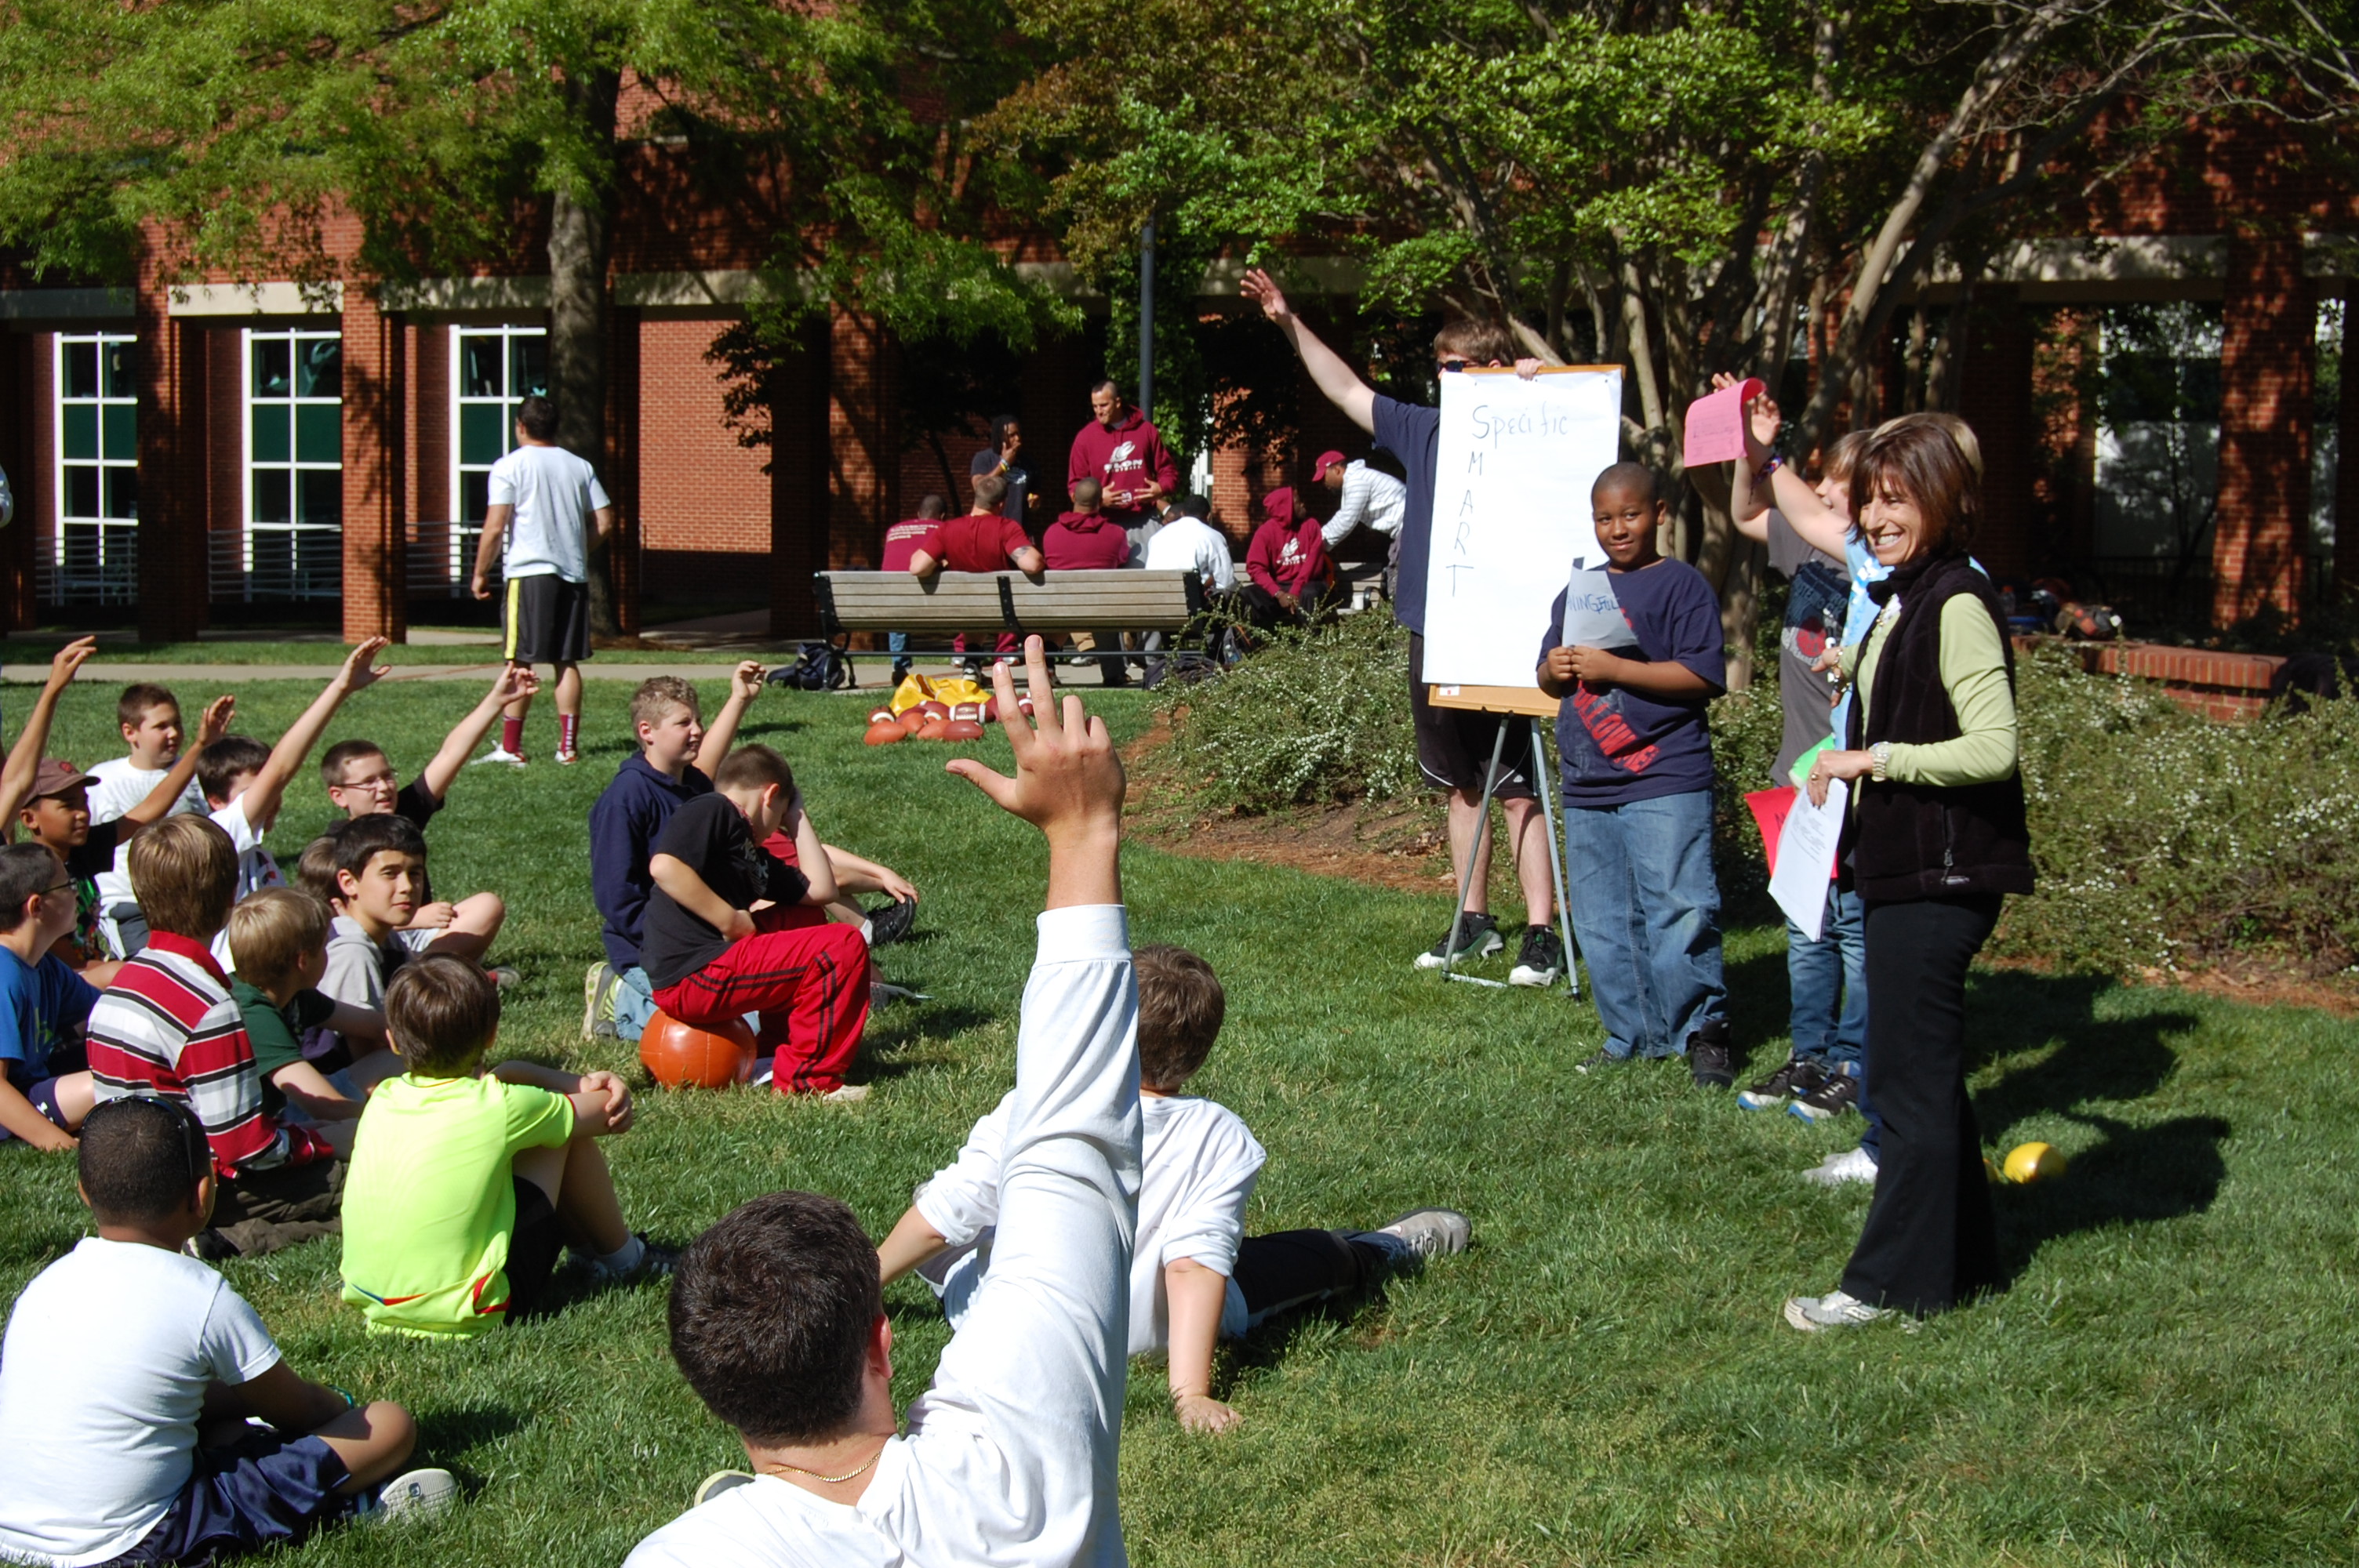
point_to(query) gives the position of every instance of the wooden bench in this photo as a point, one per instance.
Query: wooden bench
(950, 602)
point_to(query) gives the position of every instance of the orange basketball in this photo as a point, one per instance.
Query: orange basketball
(682, 1056)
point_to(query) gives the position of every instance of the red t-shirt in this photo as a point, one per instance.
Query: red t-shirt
(981, 544)
(906, 539)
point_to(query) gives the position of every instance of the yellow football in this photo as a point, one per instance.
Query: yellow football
(2034, 1162)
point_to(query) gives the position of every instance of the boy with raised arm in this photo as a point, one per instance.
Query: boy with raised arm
(1009, 1457)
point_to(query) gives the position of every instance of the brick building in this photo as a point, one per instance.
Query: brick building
(225, 451)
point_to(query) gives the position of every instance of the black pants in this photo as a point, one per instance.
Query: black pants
(1930, 1241)
(1292, 1267)
(1260, 607)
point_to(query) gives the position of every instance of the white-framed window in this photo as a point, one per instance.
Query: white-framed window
(94, 557)
(293, 545)
(493, 369)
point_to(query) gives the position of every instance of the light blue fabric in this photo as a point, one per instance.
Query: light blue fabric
(1646, 911)
(1827, 982)
(634, 1002)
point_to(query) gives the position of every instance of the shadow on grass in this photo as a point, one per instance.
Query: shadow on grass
(455, 1431)
(2133, 1175)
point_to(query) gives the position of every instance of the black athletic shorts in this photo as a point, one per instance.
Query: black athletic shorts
(547, 620)
(533, 1247)
(1453, 744)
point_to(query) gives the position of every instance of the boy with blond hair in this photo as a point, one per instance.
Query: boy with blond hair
(1195, 1276)
(466, 1184)
(359, 782)
(279, 937)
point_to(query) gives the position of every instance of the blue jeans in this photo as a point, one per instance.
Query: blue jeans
(1645, 910)
(1828, 980)
(634, 1001)
(896, 643)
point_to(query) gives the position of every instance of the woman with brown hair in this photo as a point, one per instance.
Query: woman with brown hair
(1934, 840)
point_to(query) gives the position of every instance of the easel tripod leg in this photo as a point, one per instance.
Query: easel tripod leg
(1474, 851)
(1558, 855)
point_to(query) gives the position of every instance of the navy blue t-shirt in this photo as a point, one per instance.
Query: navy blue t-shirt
(1412, 433)
(1619, 745)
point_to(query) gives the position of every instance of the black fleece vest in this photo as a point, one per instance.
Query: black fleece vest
(1917, 840)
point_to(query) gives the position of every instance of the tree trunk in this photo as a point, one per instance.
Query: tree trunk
(579, 238)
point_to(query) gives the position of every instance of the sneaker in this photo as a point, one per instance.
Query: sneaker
(655, 1264)
(597, 998)
(1850, 1165)
(1710, 1058)
(1815, 1314)
(1433, 1232)
(888, 922)
(1598, 1060)
(414, 1494)
(566, 757)
(1540, 959)
(847, 1094)
(1478, 937)
(501, 754)
(208, 1246)
(1837, 1093)
(720, 1481)
(507, 977)
(1795, 1078)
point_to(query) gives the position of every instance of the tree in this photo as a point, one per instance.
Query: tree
(387, 139)
(1684, 189)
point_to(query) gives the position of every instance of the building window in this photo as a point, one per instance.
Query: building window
(493, 369)
(94, 557)
(293, 547)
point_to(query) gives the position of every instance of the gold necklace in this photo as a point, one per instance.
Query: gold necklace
(834, 1480)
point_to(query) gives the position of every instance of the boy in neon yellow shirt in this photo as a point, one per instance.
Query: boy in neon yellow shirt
(463, 1186)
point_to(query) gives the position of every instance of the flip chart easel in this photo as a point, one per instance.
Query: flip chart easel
(1532, 705)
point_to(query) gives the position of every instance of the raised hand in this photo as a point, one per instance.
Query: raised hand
(1068, 783)
(360, 670)
(1257, 287)
(745, 680)
(516, 681)
(70, 659)
(214, 722)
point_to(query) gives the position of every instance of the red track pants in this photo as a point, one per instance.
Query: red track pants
(810, 984)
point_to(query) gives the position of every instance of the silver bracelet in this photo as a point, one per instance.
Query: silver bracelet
(1879, 757)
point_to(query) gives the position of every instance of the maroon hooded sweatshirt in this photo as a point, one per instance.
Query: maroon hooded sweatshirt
(1086, 542)
(1122, 458)
(1286, 554)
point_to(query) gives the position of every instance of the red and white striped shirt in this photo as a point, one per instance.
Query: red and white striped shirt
(168, 1029)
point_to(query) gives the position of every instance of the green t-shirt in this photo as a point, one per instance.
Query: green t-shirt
(277, 1033)
(429, 1199)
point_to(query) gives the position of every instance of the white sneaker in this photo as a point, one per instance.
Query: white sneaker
(1850, 1165)
(847, 1094)
(1836, 1309)
(417, 1494)
(500, 754)
(1433, 1232)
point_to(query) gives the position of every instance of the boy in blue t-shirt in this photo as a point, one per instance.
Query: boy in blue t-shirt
(45, 1087)
(1637, 756)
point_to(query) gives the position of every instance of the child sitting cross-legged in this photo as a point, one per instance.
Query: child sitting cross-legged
(131, 1375)
(1195, 1276)
(279, 937)
(45, 1088)
(727, 932)
(368, 871)
(465, 1184)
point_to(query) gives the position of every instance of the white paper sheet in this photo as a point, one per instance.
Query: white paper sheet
(1806, 856)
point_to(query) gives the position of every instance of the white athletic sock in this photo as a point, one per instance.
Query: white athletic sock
(868, 931)
(626, 1257)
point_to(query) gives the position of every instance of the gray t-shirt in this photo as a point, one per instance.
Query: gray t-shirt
(1814, 612)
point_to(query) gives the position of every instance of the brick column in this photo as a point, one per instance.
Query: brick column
(863, 430)
(799, 484)
(18, 412)
(2346, 469)
(376, 551)
(175, 589)
(625, 574)
(2267, 361)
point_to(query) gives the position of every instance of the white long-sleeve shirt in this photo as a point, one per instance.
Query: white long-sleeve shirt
(1197, 1175)
(1187, 543)
(1009, 1457)
(1370, 496)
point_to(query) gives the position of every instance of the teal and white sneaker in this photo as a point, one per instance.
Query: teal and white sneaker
(1478, 937)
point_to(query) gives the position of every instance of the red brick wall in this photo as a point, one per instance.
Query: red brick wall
(222, 421)
(18, 413)
(173, 596)
(801, 482)
(376, 587)
(704, 503)
(2267, 357)
(863, 440)
(42, 418)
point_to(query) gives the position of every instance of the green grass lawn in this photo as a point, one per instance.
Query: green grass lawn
(1602, 1379)
(24, 656)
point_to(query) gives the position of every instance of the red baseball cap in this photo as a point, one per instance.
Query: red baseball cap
(55, 778)
(1326, 460)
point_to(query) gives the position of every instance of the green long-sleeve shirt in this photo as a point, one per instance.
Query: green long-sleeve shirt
(1974, 671)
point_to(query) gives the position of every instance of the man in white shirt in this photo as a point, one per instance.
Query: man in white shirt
(543, 502)
(776, 1311)
(1364, 495)
(1187, 543)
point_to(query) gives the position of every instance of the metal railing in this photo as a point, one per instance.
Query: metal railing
(89, 563)
(272, 565)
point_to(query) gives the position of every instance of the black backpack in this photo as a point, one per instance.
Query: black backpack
(819, 666)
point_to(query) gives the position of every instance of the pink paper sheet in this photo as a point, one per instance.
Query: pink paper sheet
(1769, 809)
(1715, 424)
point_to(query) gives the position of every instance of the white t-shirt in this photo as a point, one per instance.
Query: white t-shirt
(256, 869)
(1371, 496)
(102, 1376)
(553, 492)
(1009, 1458)
(1192, 544)
(1198, 1173)
(120, 787)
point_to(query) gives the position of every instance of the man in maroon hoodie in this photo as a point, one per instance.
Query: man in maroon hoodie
(1125, 455)
(1087, 540)
(1292, 575)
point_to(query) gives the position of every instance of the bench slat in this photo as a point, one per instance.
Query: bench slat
(1063, 601)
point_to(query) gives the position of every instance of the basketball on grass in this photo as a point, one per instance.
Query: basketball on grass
(682, 1056)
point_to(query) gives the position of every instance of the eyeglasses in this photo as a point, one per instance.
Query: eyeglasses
(61, 887)
(1453, 366)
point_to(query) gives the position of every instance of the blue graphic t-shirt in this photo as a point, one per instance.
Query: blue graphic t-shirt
(43, 1006)
(1618, 745)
